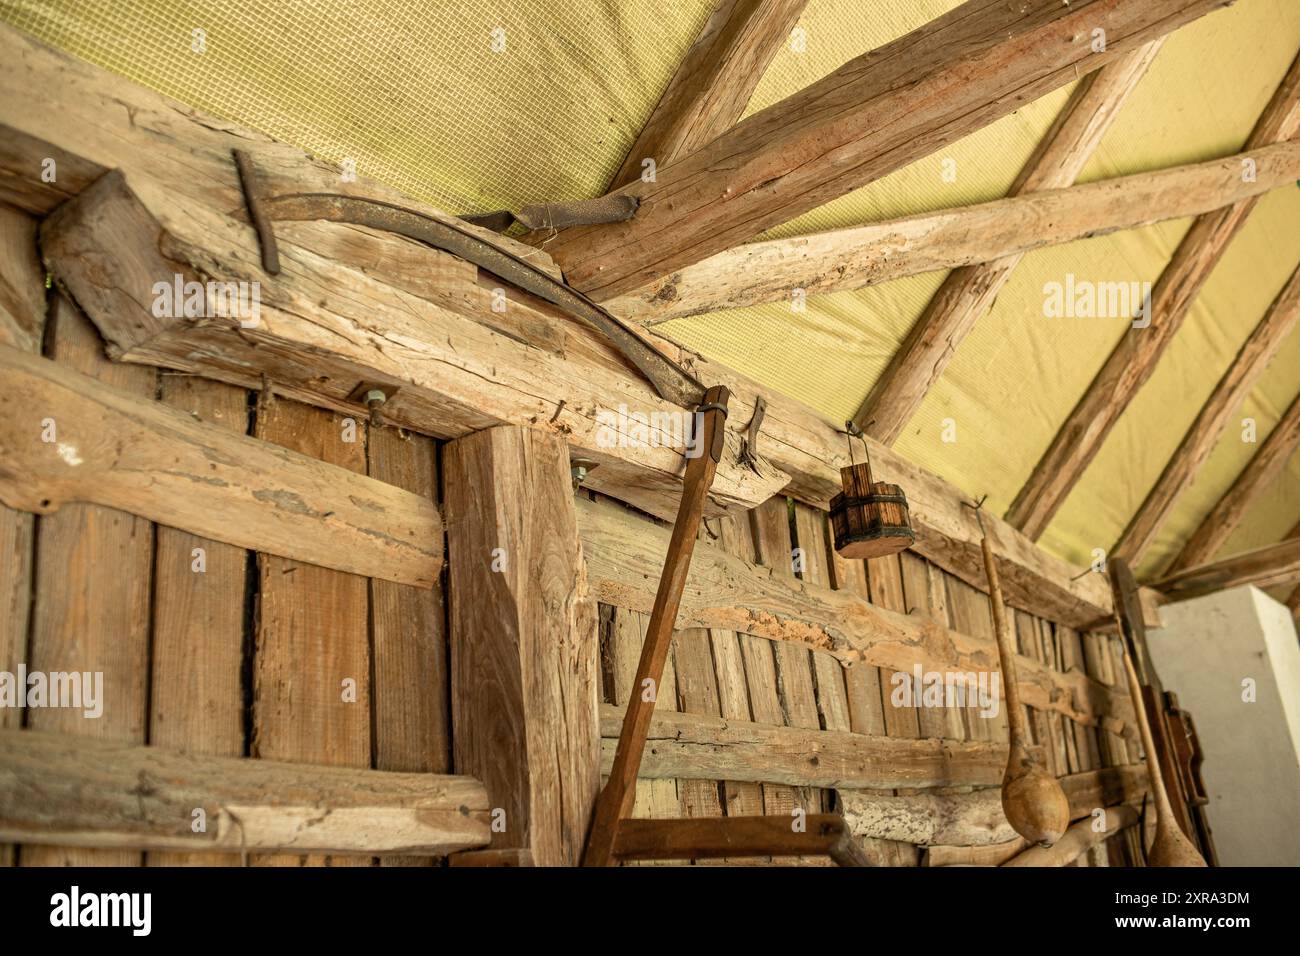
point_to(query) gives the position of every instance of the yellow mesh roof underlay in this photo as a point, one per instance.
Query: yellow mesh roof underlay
(478, 106)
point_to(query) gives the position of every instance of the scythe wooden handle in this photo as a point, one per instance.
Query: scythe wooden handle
(616, 799)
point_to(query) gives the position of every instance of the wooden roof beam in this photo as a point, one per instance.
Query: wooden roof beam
(1263, 468)
(834, 261)
(872, 116)
(1276, 564)
(713, 84)
(1133, 360)
(970, 291)
(1252, 358)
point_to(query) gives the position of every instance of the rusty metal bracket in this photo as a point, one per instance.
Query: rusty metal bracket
(670, 380)
(749, 441)
(614, 207)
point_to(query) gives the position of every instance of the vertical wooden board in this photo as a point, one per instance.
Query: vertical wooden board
(885, 583)
(1053, 658)
(22, 322)
(312, 631)
(924, 594)
(854, 703)
(197, 694)
(408, 633)
(885, 579)
(655, 799)
(741, 798)
(1097, 661)
(1030, 644)
(794, 680)
(1131, 745)
(832, 696)
(93, 574)
(972, 614)
(1072, 658)
(697, 693)
(861, 683)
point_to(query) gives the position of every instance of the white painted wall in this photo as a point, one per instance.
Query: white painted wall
(1207, 648)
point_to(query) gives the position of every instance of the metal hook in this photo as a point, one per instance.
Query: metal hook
(977, 507)
(852, 430)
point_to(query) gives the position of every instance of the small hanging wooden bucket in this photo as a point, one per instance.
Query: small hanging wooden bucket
(869, 518)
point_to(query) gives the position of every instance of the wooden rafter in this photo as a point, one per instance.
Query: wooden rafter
(969, 292)
(713, 84)
(1276, 564)
(1293, 599)
(1251, 360)
(1133, 360)
(875, 114)
(1263, 468)
(1001, 230)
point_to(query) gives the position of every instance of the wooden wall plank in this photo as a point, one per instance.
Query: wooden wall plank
(624, 635)
(770, 522)
(197, 693)
(22, 325)
(697, 693)
(93, 576)
(408, 633)
(312, 631)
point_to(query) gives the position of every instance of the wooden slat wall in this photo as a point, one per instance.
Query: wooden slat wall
(243, 657)
(752, 678)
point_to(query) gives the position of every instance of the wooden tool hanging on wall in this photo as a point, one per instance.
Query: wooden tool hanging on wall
(1032, 799)
(869, 518)
(1171, 847)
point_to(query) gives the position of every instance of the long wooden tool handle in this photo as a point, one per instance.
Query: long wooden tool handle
(616, 799)
(1171, 847)
(1018, 731)
(1032, 799)
(1160, 795)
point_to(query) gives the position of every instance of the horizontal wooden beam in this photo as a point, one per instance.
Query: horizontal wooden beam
(1262, 470)
(970, 291)
(976, 818)
(1078, 840)
(713, 84)
(877, 113)
(81, 791)
(814, 834)
(326, 333)
(399, 313)
(67, 438)
(696, 746)
(722, 591)
(846, 259)
(1133, 360)
(1276, 564)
